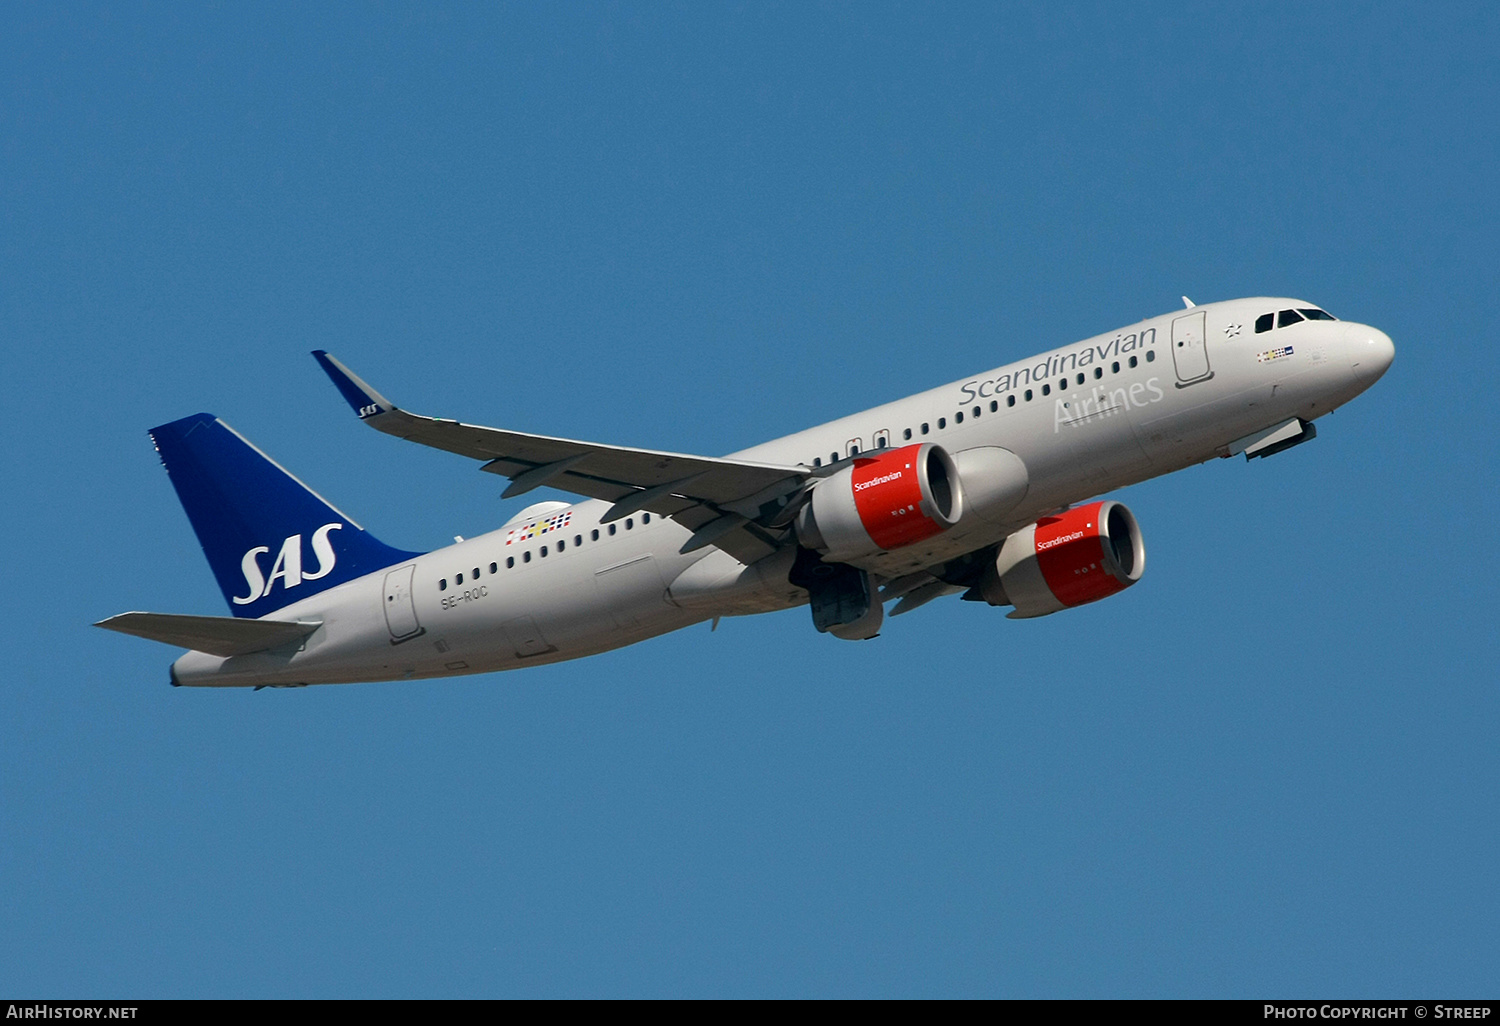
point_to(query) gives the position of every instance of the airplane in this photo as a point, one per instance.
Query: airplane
(986, 487)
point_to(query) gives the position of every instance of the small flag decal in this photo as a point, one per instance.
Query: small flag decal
(546, 525)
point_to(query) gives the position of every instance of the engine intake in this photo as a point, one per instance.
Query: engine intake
(1079, 556)
(882, 502)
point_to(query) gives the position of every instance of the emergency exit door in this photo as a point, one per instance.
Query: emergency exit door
(400, 608)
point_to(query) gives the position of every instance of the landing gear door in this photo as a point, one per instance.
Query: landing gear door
(1190, 348)
(400, 607)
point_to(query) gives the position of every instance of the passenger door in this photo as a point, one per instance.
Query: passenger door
(1190, 348)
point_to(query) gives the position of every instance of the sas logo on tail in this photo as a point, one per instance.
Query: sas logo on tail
(288, 565)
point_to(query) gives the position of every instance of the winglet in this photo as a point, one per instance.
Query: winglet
(365, 400)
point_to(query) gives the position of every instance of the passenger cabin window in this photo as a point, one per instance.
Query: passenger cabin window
(526, 556)
(958, 418)
(612, 528)
(1264, 322)
(645, 518)
(1028, 395)
(995, 404)
(906, 434)
(1010, 400)
(817, 461)
(443, 584)
(882, 439)
(942, 423)
(494, 568)
(924, 429)
(1046, 390)
(1098, 373)
(594, 534)
(1133, 361)
(1150, 355)
(1287, 317)
(510, 561)
(458, 578)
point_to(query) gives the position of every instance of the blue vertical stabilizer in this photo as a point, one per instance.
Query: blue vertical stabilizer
(269, 538)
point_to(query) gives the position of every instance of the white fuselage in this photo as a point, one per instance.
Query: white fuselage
(1155, 397)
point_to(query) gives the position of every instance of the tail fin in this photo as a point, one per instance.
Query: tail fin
(269, 538)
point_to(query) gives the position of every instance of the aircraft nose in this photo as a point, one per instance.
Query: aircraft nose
(1371, 353)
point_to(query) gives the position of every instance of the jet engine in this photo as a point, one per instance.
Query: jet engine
(1078, 556)
(884, 501)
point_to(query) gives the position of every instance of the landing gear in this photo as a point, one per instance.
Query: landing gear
(843, 601)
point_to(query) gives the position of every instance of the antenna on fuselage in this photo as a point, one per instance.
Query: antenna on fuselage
(1188, 302)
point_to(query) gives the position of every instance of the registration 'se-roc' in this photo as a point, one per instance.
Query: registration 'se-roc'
(983, 487)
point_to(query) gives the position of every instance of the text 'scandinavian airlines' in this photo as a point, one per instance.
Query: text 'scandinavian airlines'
(983, 487)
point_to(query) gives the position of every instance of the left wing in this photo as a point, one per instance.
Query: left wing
(736, 505)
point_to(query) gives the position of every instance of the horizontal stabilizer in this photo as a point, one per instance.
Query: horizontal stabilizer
(216, 635)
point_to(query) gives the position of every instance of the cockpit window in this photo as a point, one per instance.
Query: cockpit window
(1288, 317)
(1265, 322)
(1317, 315)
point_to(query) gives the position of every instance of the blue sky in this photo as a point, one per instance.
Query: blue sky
(1269, 769)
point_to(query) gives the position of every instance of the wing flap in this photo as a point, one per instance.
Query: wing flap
(216, 635)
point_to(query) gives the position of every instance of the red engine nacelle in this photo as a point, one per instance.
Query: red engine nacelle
(1079, 556)
(884, 501)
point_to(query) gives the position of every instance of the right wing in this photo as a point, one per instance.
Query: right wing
(736, 505)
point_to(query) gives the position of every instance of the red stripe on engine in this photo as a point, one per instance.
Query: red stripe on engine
(888, 497)
(1070, 555)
